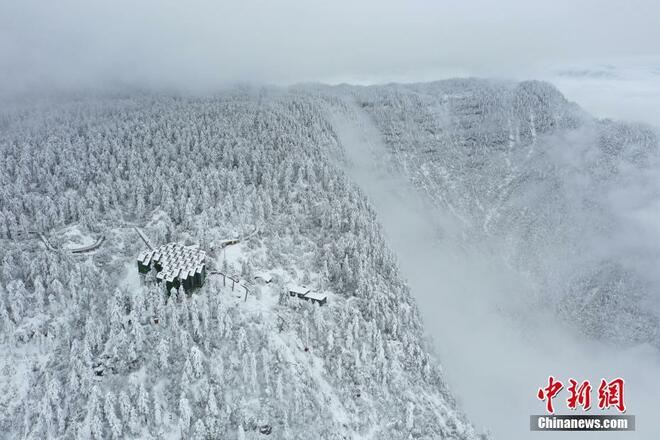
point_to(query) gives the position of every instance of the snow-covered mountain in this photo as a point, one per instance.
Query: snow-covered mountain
(91, 349)
(568, 197)
(563, 197)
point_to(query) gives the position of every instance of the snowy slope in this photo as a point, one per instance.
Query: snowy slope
(83, 356)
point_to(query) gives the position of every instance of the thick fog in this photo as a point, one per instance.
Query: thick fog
(620, 88)
(201, 45)
(496, 341)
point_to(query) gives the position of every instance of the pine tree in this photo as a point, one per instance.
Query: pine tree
(114, 422)
(240, 433)
(199, 430)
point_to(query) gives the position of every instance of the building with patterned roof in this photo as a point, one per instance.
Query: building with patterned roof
(176, 264)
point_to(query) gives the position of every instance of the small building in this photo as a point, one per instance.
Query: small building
(175, 264)
(299, 291)
(316, 297)
(304, 292)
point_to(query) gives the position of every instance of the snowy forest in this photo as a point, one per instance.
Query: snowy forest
(93, 350)
(81, 354)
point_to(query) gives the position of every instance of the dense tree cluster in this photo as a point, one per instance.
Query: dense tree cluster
(82, 356)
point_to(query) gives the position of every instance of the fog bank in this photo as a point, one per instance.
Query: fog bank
(201, 45)
(496, 344)
(620, 88)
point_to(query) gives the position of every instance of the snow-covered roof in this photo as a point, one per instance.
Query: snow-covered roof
(299, 290)
(318, 296)
(176, 260)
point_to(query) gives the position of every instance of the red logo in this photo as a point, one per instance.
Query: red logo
(610, 394)
(549, 392)
(580, 395)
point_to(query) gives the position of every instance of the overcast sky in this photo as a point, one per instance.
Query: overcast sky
(207, 44)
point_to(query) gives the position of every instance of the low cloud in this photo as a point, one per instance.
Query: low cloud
(202, 45)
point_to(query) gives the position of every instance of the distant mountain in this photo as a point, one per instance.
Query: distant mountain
(565, 194)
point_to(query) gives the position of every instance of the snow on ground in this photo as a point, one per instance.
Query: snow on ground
(233, 255)
(263, 301)
(265, 304)
(72, 237)
(131, 278)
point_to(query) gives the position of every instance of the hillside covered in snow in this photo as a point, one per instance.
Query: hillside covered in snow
(92, 349)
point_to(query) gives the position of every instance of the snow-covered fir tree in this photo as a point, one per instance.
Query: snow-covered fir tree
(91, 349)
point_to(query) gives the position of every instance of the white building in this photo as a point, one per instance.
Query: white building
(299, 291)
(316, 297)
(304, 292)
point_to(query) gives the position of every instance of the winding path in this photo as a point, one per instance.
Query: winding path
(79, 250)
(89, 248)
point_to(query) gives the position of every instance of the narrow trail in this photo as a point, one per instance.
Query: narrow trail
(79, 250)
(89, 248)
(46, 243)
(496, 346)
(144, 238)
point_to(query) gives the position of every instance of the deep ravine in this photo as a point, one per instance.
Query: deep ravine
(496, 345)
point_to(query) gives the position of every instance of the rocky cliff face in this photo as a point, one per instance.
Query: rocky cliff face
(564, 193)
